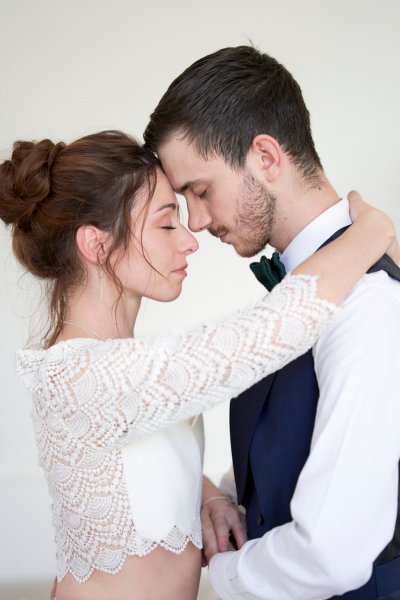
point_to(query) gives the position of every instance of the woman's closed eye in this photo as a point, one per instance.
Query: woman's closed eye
(171, 219)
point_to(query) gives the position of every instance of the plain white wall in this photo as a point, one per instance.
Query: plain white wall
(72, 68)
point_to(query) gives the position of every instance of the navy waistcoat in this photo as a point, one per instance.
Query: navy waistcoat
(271, 430)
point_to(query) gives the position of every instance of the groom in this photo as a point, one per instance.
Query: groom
(315, 446)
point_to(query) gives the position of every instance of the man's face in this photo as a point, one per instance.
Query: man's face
(233, 205)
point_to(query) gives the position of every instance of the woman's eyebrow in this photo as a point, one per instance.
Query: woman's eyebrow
(169, 205)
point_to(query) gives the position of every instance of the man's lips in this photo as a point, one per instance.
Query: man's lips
(222, 236)
(219, 233)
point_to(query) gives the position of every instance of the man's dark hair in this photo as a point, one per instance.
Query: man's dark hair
(222, 101)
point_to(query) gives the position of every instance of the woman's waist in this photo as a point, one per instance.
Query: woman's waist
(159, 574)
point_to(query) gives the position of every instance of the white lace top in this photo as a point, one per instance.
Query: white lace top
(111, 421)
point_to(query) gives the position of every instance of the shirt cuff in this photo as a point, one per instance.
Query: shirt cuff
(222, 576)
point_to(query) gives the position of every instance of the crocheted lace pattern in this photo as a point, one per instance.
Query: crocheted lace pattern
(90, 397)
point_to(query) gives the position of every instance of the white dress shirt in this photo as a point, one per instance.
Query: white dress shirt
(345, 503)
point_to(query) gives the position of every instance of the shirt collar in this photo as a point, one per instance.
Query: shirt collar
(315, 234)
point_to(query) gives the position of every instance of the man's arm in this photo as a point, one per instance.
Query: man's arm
(345, 504)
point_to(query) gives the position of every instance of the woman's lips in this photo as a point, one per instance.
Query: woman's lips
(181, 271)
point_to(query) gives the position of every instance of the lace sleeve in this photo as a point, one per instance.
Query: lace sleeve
(116, 391)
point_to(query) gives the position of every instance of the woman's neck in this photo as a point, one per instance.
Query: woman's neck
(93, 314)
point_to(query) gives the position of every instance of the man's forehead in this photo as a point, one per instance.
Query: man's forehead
(175, 147)
(181, 163)
(180, 178)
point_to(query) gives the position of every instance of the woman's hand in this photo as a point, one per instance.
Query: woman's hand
(394, 252)
(223, 526)
(222, 522)
(360, 210)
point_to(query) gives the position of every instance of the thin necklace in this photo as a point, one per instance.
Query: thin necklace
(85, 327)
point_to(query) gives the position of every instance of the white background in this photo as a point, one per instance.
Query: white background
(74, 67)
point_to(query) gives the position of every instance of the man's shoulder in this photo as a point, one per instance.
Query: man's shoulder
(376, 287)
(370, 312)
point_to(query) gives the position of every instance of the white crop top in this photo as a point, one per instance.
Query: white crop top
(112, 426)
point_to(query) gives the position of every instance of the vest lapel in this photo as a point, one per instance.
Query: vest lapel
(244, 414)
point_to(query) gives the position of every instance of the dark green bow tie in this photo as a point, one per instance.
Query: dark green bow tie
(269, 271)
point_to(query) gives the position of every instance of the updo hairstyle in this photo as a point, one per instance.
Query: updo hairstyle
(48, 191)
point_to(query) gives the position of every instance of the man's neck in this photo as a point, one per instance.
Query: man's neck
(298, 206)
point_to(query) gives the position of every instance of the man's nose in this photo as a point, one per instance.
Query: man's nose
(199, 218)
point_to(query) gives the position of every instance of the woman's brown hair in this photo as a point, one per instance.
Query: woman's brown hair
(48, 191)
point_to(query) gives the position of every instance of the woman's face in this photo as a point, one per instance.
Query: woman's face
(154, 265)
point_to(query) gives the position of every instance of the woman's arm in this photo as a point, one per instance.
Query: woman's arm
(344, 261)
(120, 390)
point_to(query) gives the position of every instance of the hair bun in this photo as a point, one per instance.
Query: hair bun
(25, 180)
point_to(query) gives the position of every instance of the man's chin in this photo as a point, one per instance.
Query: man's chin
(242, 246)
(247, 251)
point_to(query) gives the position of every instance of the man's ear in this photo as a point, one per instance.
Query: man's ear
(92, 243)
(267, 156)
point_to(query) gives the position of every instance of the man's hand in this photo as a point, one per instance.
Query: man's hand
(223, 525)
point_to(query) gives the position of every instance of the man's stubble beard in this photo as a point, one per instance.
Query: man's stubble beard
(255, 217)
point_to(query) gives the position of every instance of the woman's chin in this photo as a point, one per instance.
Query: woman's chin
(168, 295)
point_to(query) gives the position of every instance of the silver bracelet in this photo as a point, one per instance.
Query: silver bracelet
(226, 498)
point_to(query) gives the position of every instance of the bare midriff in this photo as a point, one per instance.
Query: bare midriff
(161, 575)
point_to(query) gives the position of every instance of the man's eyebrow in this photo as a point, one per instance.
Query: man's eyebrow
(185, 186)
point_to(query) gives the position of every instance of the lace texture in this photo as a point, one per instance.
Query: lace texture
(92, 397)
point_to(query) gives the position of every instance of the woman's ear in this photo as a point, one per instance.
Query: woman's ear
(267, 156)
(92, 243)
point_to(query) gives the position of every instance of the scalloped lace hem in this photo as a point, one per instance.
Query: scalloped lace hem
(111, 562)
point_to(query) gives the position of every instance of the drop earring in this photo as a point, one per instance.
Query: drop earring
(101, 287)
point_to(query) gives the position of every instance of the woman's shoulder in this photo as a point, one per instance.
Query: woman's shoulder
(40, 367)
(36, 362)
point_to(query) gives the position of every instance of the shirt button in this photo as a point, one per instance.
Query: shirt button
(260, 519)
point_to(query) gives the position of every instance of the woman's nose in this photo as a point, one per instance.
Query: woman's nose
(189, 243)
